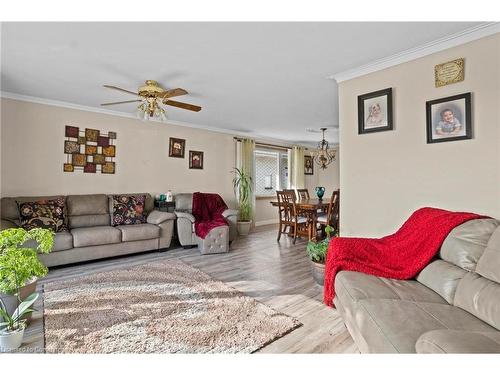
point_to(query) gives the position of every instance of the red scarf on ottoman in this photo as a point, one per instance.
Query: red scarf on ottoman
(401, 255)
(207, 211)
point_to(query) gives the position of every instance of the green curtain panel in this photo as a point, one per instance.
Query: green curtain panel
(296, 160)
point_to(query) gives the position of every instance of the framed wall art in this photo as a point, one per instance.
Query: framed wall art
(449, 119)
(308, 165)
(89, 150)
(195, 159)
(375, 111)
(176, 148)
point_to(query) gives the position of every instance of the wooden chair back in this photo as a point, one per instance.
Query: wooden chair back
(291, 191)
(303, 194)
(333, 210)
(286, 205)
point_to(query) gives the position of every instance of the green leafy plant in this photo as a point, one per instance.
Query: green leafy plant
(15, 321)
(19, 264)
(317, 250)
(242, 185)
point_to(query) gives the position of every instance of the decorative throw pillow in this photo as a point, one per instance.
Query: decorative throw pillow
(47, 214)
(128, 209)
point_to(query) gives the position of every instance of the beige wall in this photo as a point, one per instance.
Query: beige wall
(32, 155)
(385, 176)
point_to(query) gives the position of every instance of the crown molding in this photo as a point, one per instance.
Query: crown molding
(62, 104)
(465, 36)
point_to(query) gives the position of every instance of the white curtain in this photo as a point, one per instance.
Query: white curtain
(296, 167)
(246, 162)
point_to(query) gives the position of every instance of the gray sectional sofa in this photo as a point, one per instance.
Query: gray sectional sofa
(91, 235)
(453, 305)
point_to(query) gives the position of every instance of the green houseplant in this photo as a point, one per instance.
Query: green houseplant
(317, 255)
(242, 185)
(19, 265)
(13, 326)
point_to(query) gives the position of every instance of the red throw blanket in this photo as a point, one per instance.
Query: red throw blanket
(207, 211)
(398, 256)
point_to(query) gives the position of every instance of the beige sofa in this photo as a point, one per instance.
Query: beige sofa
(91, 235)
(453, 305)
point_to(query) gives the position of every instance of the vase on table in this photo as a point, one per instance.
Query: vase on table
(320, 191)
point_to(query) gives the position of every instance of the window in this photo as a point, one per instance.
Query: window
(271, 172)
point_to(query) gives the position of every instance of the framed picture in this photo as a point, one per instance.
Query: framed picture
(195, 159)
(176, 148)
(449, 119)
(375, 111)
(308, 165)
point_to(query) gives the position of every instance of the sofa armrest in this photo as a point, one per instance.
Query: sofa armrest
(185, 215)
(158, 217)
(7, 224)
(455, 341)
(230, 212)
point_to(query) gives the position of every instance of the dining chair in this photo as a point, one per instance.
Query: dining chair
(292, 191)
(331, 217)
(303, 194)
(297, 225)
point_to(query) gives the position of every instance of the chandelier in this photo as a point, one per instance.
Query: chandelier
(151, 109)
(323, 155)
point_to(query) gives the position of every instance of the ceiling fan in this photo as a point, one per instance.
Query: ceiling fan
(150, 96)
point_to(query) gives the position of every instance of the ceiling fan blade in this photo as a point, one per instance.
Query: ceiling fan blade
(126, 101)
(120, 89)
(189, 107)
(173, 92)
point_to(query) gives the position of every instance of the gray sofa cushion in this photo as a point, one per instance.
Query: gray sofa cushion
(185, 215)
(82, 221)
(442, 277)
(95, 236)
(88, 204)
(396, 325)
(466, 243)
(62, 241)
(139, 232)
(454, 341)
(489, 264)
(184, 202)
(157, 217)
(357, 286)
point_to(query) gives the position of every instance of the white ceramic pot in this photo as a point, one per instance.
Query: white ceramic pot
(11, 340)
(244, 227)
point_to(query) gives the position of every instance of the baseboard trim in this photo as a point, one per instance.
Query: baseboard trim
(266, 222)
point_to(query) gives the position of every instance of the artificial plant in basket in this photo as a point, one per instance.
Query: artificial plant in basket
(242, 185)
(317, 254)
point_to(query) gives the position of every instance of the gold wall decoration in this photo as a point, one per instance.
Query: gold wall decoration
(449, 72)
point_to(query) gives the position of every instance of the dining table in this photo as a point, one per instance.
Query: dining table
(312, 207)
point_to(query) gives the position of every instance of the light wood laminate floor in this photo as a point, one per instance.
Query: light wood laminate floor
(276, 274)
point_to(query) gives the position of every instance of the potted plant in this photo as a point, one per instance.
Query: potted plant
(317, 255)
(13, 326)
(242, 185)
(20, 267)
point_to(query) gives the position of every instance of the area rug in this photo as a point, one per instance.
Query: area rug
(162, 307)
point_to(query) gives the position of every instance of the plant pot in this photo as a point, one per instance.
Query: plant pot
(318, 272)
(10, 300)
(244, 227)
(11, 340)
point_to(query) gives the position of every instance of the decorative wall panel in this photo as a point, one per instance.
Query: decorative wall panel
(89, 150)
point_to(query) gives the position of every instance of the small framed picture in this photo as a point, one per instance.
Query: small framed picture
(176, 147)
(449, 119)
(375, 111)
(195, 159)
(308, 165)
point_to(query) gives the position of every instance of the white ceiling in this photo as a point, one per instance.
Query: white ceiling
(265, 79)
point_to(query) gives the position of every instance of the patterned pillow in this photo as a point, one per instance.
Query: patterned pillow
(128, 209)
(47, 214)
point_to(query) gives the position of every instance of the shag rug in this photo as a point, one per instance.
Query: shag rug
(162, 307)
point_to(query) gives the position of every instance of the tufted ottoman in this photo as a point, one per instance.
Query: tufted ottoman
(216, 241)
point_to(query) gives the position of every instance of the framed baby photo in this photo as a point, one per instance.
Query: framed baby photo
(375, 111)
(195, 159)
(449, 119)
(176, 147)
